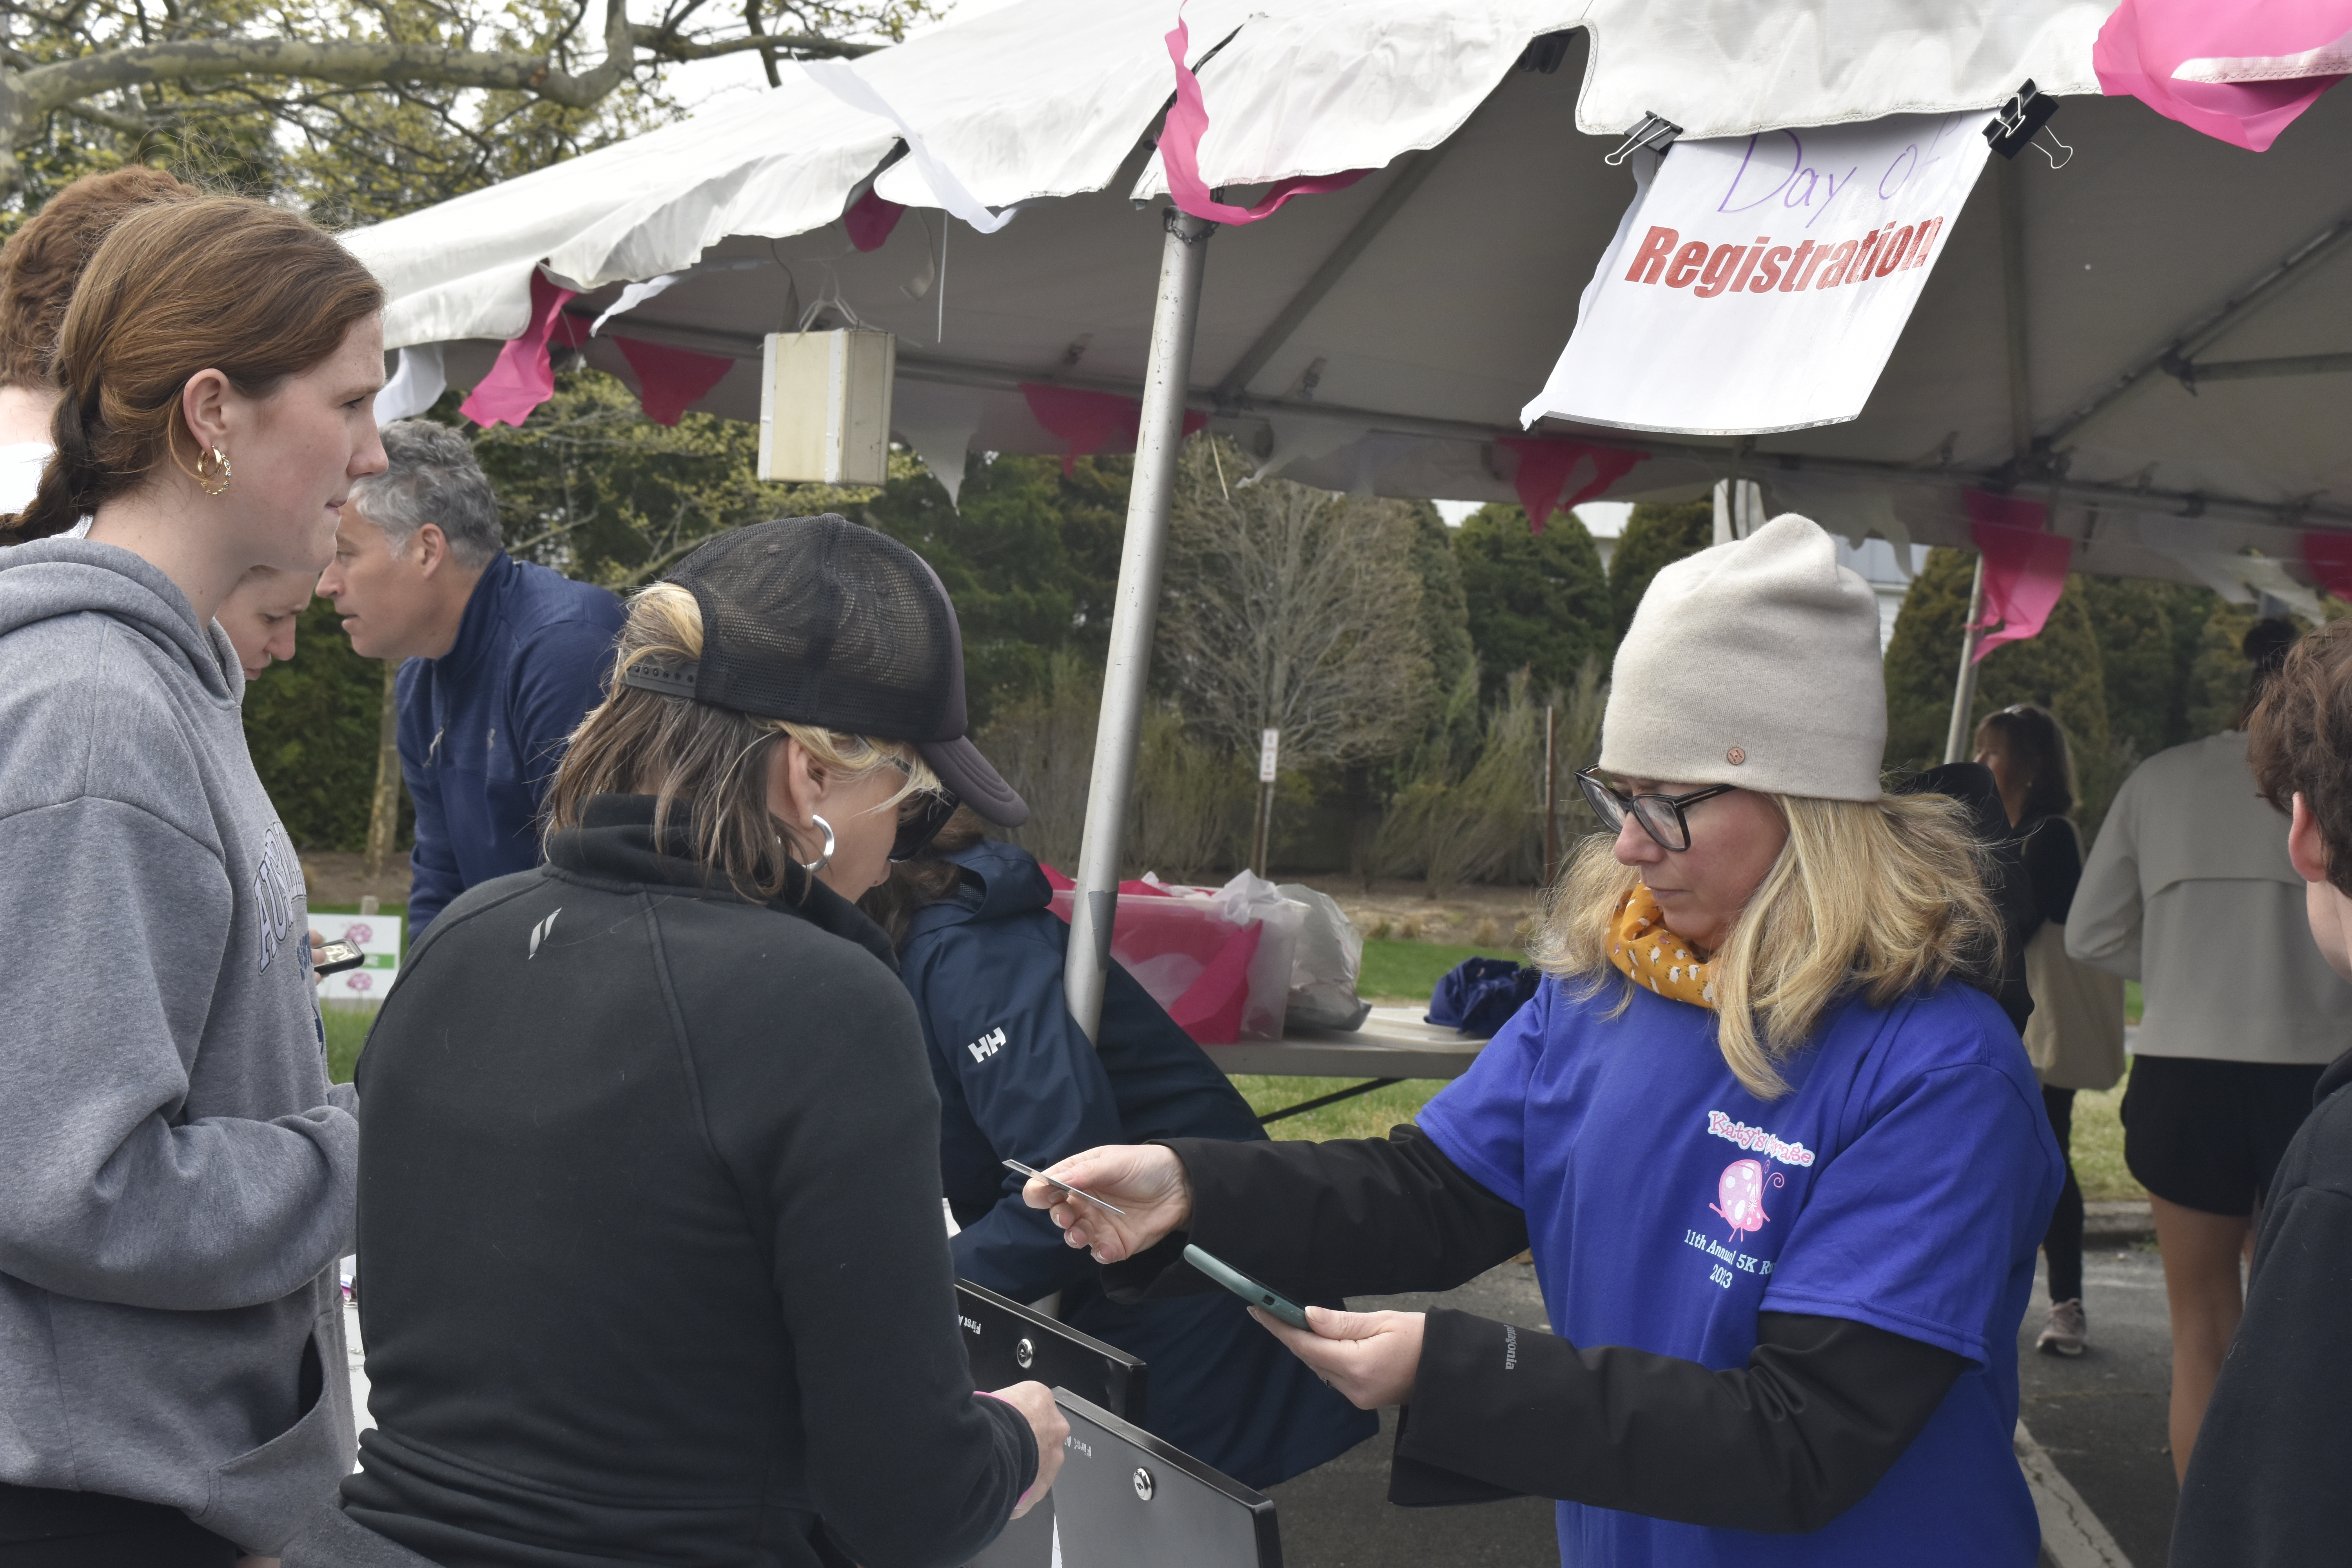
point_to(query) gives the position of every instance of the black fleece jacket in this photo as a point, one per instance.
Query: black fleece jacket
(1822, 1409)
(651, 1262)
(2267, 1480)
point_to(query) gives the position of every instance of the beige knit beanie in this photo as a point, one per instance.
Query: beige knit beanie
(1754, 663)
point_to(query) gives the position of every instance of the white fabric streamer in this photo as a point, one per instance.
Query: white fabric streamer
(837, 79)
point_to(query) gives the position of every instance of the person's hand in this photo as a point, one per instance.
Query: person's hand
(1144, 1179)
(1371, 1358)
(1035, 1401)
(318, 941)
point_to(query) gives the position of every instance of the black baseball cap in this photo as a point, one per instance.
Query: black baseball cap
(817, 620)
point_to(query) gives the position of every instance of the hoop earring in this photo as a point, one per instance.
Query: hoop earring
(824, 858)
(212, 472)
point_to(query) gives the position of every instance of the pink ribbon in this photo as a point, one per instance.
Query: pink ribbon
(870, 219)
(2329, 556)
(523, 377)
(2024, 567)
(1545, 465)
(1091, 422)
(1179, 152)
(2145, 41)
(669, 379)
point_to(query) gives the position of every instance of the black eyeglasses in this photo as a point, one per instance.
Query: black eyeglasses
(1661, 816)
(921, 818)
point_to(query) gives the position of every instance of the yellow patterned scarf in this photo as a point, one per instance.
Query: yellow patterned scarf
(1651, 955)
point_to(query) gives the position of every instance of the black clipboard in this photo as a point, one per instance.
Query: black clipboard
(1008, 1342)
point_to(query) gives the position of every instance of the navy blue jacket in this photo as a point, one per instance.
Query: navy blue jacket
(482, 727)
(1018, 1080)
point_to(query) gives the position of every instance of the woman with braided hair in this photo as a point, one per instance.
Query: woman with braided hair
(176, 1179)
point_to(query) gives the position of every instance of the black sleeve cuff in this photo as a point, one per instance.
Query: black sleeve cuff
(1786, 1444)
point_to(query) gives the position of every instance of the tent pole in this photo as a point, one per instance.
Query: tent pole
(1166, 379)
(1964, 690)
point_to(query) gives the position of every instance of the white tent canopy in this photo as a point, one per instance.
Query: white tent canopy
(2129, 339)
(1382, 337)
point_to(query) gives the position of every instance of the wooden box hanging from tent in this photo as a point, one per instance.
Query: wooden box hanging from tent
(825, 407)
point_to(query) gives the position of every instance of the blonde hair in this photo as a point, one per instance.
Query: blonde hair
(713, 759)
(1879, 897)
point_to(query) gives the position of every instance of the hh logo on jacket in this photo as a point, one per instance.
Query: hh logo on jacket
(987, 1045)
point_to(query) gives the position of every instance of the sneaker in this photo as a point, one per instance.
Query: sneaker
(2066, 1332)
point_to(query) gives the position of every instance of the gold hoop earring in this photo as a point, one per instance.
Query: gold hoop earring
(212, 472)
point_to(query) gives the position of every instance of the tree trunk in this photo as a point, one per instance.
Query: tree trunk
(383, 817)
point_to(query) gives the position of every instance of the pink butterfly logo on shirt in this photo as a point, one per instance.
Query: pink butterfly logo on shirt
(1740, 1189)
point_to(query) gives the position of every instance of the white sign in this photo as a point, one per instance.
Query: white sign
(1759, 282)
(1269, 745)
(379, 937)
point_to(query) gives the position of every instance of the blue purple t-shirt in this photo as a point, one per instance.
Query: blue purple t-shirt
(1905, 1182)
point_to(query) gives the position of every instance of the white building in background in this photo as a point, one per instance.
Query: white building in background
(1880, 563)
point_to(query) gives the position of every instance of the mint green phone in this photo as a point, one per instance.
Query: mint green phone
(1248, 1289)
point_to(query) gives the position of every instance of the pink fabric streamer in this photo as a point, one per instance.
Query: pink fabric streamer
(2329, 556)
(1091, 422)
(2025, 567)
(2145, 41)
(870, 219)
(523, 377)
(1179, 152)
(669, 379)
(1545, 465)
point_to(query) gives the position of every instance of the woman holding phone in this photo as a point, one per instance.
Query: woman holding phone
(1782, 1168)
(651, 1264)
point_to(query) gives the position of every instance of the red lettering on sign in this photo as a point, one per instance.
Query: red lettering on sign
(1801, 265)
(1865, 257)
(1896, 248)
(1720, 269)
(1927, 233)
(1768, 271)
(1648, 260)
(1755, 253)
(1834, 273)
(1687, 261)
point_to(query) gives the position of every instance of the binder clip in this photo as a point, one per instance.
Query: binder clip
(1655, 131)
(2017, 121)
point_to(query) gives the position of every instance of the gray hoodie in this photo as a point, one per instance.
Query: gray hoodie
(176, 1181)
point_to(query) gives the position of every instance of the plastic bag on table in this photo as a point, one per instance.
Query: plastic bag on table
(1329, 961)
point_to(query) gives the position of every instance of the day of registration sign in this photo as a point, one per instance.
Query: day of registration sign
(1759, 283)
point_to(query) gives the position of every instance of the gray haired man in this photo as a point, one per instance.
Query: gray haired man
(504, 659)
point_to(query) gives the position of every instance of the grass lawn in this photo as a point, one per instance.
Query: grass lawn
(1395, 972)
(347, 1029)
(1400, 972)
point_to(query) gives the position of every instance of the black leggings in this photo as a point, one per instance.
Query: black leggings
(2063, 1242)
(41, 1528)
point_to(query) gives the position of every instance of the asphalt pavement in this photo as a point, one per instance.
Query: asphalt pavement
(1339, 1516)
(2100, 1419)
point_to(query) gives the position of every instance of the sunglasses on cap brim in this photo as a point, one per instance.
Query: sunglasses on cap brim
(921, 818)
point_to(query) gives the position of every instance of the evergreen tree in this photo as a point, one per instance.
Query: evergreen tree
(1923, 660)
(2132, 618)
(1537, 601)
(2059, 669)
(1030, 558)
(2216, 679)
(1655, 536)
(1445, 616)
(310, 726)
